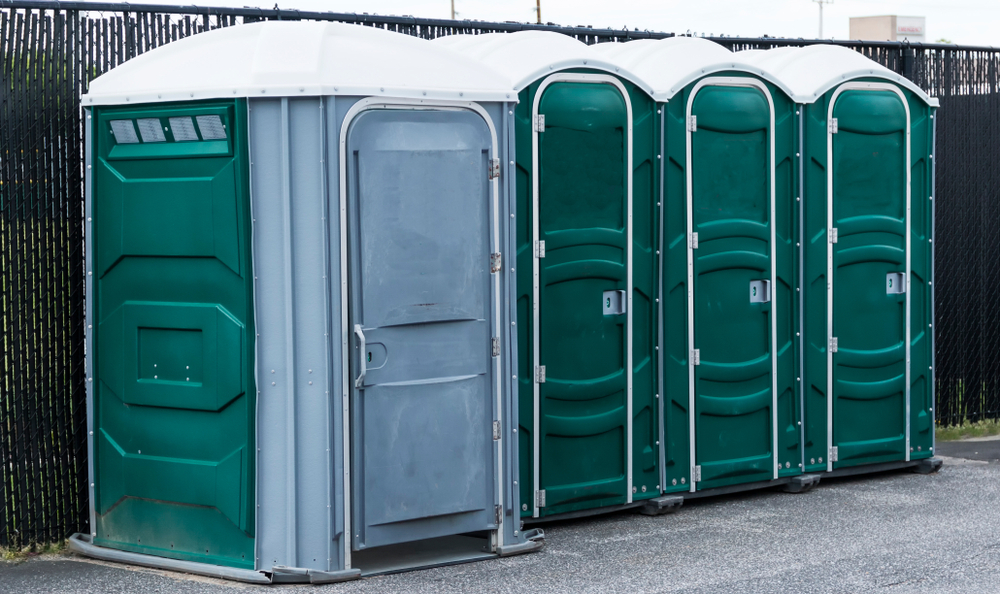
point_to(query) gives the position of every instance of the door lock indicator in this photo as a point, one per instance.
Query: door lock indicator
(760, 291)
(614, 303)
(895, 282)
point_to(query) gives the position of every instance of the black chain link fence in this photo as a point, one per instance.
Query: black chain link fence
(49, 51)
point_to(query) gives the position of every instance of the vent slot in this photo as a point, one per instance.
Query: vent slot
(211, 127)
(183, 129)
(124, 132)
(150, 130)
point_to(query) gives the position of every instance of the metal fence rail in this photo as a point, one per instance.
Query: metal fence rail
(49, 51)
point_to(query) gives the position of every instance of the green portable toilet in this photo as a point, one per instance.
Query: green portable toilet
(300, 362)
(585, 160)
(731, 418)
(867, 167)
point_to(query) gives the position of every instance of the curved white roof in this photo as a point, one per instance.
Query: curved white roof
(526, 56)
(813, 70)
(669, 65)
(298, 58)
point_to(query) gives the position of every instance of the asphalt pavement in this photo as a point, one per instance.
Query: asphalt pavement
(895, 532)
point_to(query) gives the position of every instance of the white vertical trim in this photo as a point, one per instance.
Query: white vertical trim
(933, 362)
(856, 86)
(90, 265)
(353, 112)
(660, 391)
(291, 537)
(594, 79)
(732, 81)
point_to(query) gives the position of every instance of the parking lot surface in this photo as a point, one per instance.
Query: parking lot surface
(895, 532)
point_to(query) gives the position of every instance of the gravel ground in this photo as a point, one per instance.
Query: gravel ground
(895, 532)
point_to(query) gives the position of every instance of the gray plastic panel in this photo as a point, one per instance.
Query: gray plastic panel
(420, 206)
(294, 313)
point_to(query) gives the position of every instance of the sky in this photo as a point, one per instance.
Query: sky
(970, 22)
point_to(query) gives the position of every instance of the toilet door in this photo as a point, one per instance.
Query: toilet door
(582, 215)
(422, 316)
(869, 270)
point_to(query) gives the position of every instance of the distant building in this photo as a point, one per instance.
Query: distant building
(889, 28)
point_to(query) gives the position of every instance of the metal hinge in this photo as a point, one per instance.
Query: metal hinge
(693, 240)
(540, 374)
(833, 125)
(495, 263)
(495, 346)
(498, 514)
(833, 235)
(540, 498)
(494, 169)
(692, 123)
(833, 454)
(696, 474)
(540, 122)
(833, 344)
(540, 248)
(496, 430)
(696, 356)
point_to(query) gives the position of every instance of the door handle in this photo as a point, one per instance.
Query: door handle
(364, 363)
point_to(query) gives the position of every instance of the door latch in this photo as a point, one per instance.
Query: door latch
(495, 262)
(760, 291)
(495, 346)
(496, 430)
(615, 303)
(494, 169)
(895, 282)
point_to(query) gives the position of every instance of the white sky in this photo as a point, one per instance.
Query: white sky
(974, 22)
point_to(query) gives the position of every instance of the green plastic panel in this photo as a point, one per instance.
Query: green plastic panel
(582, 218)
(734, 402)
(869, 211)
(174, 406)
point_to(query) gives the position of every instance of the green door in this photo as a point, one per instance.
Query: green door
(730, 256)
(870, 270)
(173, 404)
(583, 278)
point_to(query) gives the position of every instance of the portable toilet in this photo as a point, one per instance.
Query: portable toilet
(301, 349)
(867, 168)
(585, 132)
(731, 418)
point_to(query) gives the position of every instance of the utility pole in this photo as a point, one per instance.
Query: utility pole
(453, 11)
(538, 10)
(821, 3)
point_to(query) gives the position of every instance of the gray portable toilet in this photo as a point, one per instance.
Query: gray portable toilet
(585, 133)
(728, 361)
(301, 357)
(867, 175)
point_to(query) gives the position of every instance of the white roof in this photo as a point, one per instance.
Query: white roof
(527, 56)
(813, 70)
(669, 65)
(298, 58)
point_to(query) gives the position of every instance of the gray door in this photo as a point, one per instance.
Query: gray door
(421, 317)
